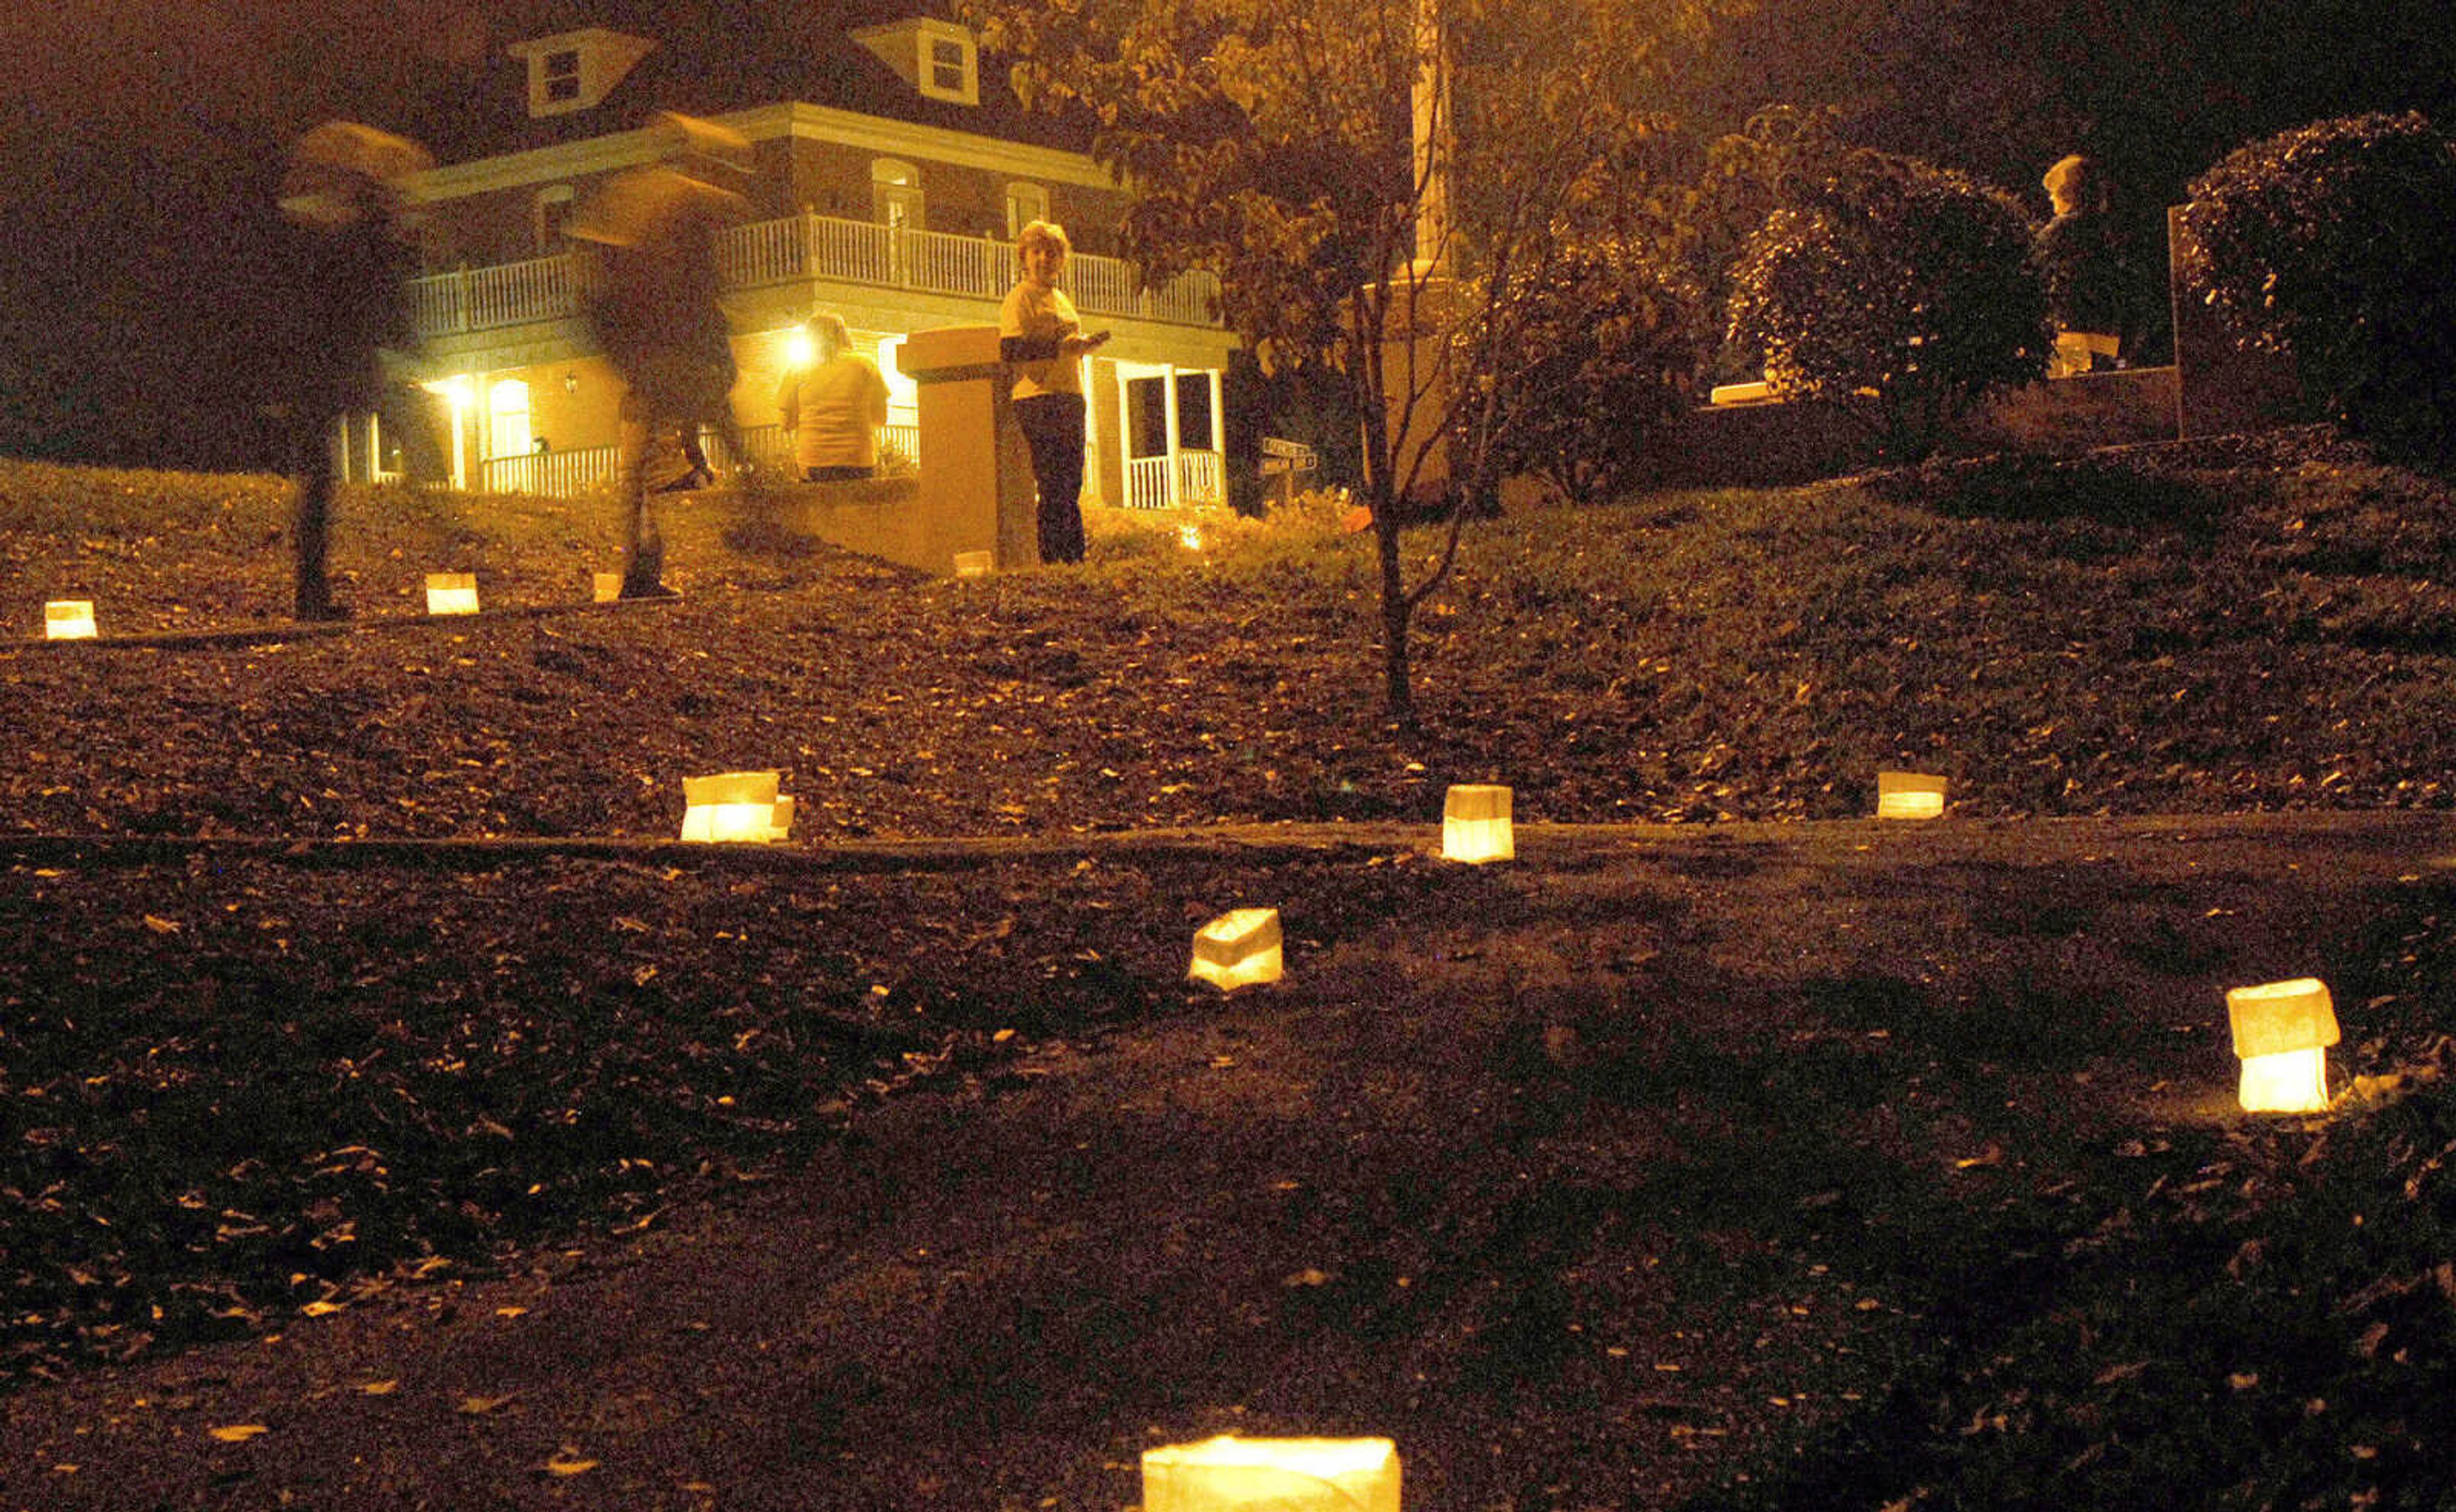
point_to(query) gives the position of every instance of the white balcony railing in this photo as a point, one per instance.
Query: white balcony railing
(799, 247)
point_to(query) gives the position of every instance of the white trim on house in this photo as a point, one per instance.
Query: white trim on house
(615, 151)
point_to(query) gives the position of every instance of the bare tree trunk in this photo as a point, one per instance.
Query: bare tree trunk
(1398, 612)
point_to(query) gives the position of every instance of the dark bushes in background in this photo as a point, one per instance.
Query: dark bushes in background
(1897, 290)
(2336, 243)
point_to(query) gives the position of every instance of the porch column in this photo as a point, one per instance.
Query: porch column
(1176, 441)
(977, 491)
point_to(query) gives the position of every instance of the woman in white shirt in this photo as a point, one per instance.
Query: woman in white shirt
(1042, 340)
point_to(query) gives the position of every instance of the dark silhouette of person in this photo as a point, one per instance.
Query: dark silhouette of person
(348, 267)
(653, 298)
(2087, 270)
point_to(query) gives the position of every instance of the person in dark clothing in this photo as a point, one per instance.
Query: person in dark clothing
(1041, 339)
(2086, 268)
(350, 266)
(653, 302)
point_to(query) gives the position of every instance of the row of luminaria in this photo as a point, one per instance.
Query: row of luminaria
(446, 593)
(2282, 1029)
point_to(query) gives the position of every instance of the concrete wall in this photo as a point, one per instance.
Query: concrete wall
(1772, 443)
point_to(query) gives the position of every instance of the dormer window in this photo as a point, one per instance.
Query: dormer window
(950, 66)
(938, 58)
(575, 71)
(563, 77)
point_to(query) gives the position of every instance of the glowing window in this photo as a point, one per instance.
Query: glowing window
(507, 419)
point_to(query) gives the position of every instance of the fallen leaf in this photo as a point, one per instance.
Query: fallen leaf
(562, 1465)
(238, 1432)
(318, 1309)
(473, 1407)
(161, 926)
(379, 1388)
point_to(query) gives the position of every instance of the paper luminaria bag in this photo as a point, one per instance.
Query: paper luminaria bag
(68, 619)
(1240, 948)
(1909, 795)
(2281, 1033)
(1229, 1474)
(1475, 824)
(735, 805)
(451, 593)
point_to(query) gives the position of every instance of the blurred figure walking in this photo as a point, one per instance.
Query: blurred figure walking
(351, 263)
(653, 298)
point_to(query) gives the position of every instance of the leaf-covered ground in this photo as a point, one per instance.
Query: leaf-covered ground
(246, 1085)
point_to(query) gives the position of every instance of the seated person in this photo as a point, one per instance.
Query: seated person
(833, 408)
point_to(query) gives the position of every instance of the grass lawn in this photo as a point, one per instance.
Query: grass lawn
(237, 1084)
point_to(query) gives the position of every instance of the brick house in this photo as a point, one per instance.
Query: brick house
(888, 175)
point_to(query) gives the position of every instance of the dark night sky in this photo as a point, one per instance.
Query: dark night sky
(140, 324)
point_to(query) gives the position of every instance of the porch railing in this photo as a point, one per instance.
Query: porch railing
(773, 252)
(566, 474)
(1196, 475)
(573, 472)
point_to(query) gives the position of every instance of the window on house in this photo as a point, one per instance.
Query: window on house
(507, 419)
(1025, 203)
(551, 213)
(947, 65)
(895, 193)
(563, 74)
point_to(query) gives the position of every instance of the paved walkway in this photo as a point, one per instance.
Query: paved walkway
(1289, 1212)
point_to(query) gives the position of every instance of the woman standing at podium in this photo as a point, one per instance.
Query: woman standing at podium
(1041, 339)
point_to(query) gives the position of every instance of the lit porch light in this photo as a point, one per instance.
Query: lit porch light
(735, 805)
(1239, 947)
(1229, 1474)
(1475, 824)
(1909, 795)
(451, 593)
(1190, 536)
(800, 349)
(2281, 1033)
(972, 563)
(68, 619)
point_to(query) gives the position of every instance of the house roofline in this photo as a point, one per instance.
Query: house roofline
(791, 119)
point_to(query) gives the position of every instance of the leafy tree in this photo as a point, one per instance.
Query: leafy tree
(1896, 291)
(2331, 243)
(1273, 141)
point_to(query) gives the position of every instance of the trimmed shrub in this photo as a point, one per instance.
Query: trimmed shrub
(1899, 292)
(1602, 341)
(2336, 244)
